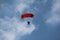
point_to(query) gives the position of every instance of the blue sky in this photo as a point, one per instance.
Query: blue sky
(45, 25)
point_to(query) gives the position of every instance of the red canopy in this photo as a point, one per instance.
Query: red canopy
(27, 15)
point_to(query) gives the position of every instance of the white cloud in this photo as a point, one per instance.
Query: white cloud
(56, 6)
(53, 20)
(21, 7)
(55, 13)
(11, 27)
(23, 4)
(7, 10)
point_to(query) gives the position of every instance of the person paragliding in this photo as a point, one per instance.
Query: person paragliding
(27, 15)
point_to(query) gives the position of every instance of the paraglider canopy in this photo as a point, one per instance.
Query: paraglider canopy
(27, 15)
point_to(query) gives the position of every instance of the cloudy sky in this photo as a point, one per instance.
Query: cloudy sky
(45, 25)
